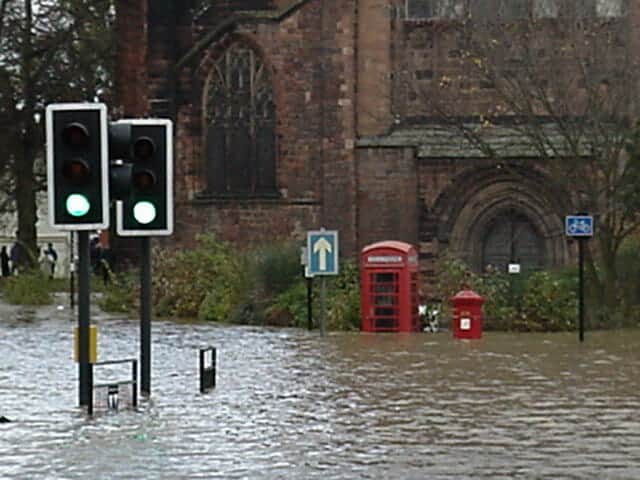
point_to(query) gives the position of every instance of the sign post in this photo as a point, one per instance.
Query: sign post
(580, 227)
(304, 261)
(323, 254)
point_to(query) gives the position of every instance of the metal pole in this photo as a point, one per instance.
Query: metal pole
(145, 316)
(214, 361)
(90, 404)
(323, 306)
(72, 272)
(202, 384)
(134, 385)
(581, 288)
(84, 301)
(310, 303)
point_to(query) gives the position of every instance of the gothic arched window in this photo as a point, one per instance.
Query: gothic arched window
(240, 120)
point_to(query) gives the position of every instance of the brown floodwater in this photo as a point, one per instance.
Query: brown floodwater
(292, 405)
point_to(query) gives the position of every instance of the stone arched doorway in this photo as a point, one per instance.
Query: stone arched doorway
(512, 237)
(493, 216)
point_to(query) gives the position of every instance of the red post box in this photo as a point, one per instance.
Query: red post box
(467, 314)
(389, 287)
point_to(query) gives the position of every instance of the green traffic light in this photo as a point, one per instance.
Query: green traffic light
(77, 205)
(144, 212)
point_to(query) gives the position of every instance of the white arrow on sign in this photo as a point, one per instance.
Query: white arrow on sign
(322, 248)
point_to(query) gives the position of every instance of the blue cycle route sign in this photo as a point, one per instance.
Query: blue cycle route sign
(322, 249)
(579, 225)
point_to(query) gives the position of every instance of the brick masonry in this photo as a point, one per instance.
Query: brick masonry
(342, 71)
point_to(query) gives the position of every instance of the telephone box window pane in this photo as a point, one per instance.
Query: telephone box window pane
(386, 324)
(384, 288)
(385, 312)
(387, 277)
(385, 300)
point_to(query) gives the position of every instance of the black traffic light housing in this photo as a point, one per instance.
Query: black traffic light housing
(77, 166)
(147, 210)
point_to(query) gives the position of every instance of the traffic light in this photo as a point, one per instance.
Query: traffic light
(77, 166)
(148, 209)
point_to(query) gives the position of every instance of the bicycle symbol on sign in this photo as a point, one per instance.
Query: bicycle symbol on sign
(579, 226)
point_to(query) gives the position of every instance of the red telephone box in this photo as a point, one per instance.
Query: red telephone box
(389, 287)
(467, 314)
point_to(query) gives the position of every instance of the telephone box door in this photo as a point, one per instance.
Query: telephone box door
(384, 301)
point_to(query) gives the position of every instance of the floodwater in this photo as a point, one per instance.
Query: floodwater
(292, 405)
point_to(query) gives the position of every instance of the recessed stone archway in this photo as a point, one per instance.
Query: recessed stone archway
(471, 208)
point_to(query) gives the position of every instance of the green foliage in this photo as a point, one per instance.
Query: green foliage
(121, 294)
(273, 291)
(627, 307)
(202, 282)
(501, 310)
(343, 303)
(549, 302)
(276, 268)
(529, 301)
(453, 276)
(289, 308)
(29, 288)
(261, 287)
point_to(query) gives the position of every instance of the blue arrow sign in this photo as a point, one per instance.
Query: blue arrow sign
(322, 248)
(579, 225)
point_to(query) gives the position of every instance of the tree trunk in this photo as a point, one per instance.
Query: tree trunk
(26, 204)
(24, 164)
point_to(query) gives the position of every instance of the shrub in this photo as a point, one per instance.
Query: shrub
(343, 302)
(289, 308)
(500, 309)
(31, 287)
(273, 291)
(549, 302)
(200, 282)
(121, 294)
(276, 268)
(628, 269)
(529, 301)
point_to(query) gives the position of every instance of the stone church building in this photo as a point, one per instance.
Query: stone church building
(291, 115)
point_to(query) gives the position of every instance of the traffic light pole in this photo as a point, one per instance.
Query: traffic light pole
(84, 301)
(72, 271)
(145, 316)
(581, 289)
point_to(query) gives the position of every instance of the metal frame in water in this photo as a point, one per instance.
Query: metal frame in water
(113, 387)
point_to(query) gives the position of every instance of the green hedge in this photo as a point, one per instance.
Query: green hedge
(529, 301)
(213, 281)
(32, 287)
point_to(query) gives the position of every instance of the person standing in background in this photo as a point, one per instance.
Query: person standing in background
(4, 262)
(52, 256)
(16, 255)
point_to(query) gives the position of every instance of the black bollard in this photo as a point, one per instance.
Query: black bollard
(207, 373)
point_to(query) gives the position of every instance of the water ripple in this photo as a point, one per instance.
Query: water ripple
(289, 404)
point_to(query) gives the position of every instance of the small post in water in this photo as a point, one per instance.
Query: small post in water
(207, 369)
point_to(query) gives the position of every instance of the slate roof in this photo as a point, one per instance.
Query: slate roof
(442, 141)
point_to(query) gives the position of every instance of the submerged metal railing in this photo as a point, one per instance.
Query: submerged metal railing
(113, 388)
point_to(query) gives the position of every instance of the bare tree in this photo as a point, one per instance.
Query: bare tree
(566, 85)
